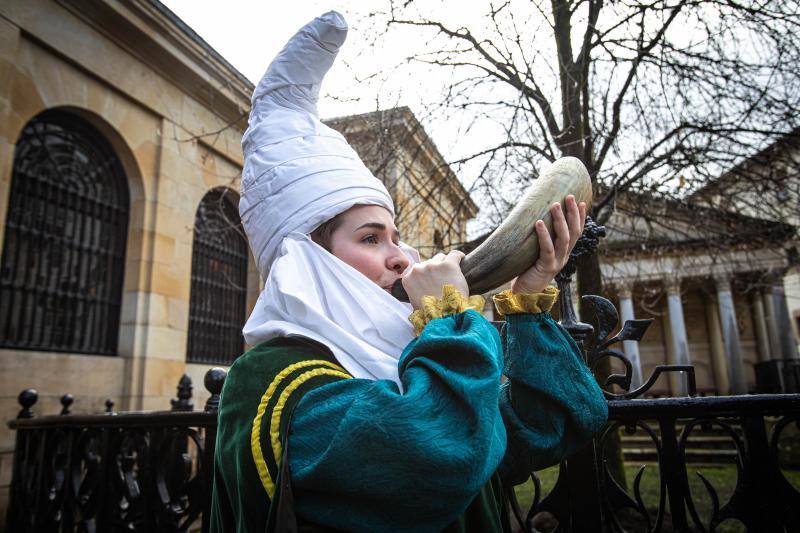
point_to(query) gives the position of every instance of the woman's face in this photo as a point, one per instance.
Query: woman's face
(367, 240)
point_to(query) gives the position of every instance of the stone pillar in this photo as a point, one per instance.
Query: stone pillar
(717, 348)
(631, 348)
(730, 335)
(760, 323)
(680, 342)
(772, 326)
(787, 346)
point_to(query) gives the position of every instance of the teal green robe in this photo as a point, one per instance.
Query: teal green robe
(439, 456)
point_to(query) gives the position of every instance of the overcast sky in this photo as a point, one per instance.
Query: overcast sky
(250, 33)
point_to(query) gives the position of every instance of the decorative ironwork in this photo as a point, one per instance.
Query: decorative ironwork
(219, 282)
(113, 471)
(64, 248)
(184, 401)
(633, 330)
(586, 245)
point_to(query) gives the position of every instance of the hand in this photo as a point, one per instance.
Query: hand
(553, 256)
(428, 278)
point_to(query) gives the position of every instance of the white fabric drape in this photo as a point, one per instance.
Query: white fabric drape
(312, 293)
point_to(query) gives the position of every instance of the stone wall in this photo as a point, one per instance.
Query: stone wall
(52, 59)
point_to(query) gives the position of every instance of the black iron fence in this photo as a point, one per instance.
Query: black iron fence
(761, 500)
(134, 471)
(153, 471)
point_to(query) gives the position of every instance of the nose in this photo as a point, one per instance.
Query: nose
(397, 260)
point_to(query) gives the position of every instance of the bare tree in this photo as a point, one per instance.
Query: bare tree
(652, 96)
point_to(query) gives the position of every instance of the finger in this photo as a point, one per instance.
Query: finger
(455, 257)
(582, 209)
(438, 258)
(561, 230)
(546, 250)
(573, 220)
(412, 272)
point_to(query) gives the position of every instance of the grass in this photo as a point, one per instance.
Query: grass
(721, 477)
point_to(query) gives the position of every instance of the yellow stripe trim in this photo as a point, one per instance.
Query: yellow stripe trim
(255, 433)
(274, 428)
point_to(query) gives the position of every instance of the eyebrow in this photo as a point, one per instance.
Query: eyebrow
(378, 226)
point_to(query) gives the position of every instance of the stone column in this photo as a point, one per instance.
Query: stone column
(730, 335)
(787, 346)
(717, 347)
(772, 326)
(680, 342)
(760, 323)
(631, 348)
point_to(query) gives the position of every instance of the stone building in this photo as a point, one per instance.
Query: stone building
(712, 280)
(123, 263)
(765, 185)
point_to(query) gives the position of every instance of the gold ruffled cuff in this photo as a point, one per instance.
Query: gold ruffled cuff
(509, 303)
(450, 303)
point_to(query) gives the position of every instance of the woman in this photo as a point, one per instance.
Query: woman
(351, 410)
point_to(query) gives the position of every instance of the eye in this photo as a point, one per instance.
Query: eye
(370, 239)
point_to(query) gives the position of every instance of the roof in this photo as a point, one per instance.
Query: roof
(647, 223)
(735, 173)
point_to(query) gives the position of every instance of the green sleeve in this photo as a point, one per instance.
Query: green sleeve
(261, 390)
(551, 404)
(365, 456)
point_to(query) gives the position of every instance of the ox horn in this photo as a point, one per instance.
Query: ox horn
(514, 247)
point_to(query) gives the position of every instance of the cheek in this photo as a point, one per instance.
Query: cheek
(368, 263)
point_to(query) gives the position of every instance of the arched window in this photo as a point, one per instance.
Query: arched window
(219, 282)
(64, 247)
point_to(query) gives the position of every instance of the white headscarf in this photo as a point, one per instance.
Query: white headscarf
(299, 173)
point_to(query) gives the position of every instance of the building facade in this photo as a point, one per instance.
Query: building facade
(712, 280)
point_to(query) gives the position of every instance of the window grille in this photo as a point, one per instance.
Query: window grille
(63, 256)
(219, 282)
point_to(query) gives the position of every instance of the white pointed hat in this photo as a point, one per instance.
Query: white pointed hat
(298, 172)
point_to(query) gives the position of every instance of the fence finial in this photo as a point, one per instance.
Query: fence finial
(184, 401)
(214, 380)
(66, 403)
(27, 399)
